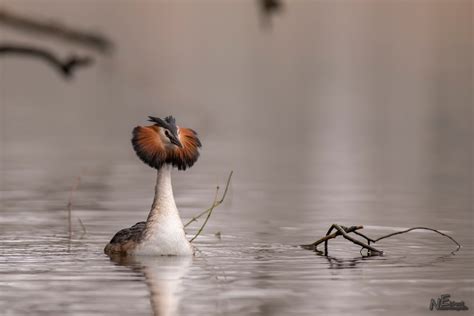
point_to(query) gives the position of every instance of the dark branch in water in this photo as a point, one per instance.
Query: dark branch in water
(340, 230)
(344, 231)
(215, 204)
(425, 228)
(57, 30)
(65, 67)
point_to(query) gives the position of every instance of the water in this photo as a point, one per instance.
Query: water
(365, 120)
(254, 267)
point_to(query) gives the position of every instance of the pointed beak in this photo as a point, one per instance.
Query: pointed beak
(175, 140)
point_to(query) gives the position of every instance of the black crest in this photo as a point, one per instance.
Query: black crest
(169, 123)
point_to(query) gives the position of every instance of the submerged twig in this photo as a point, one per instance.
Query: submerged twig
(210, 209)
(328, 236)
(344, 231)
(355, 241)
(369, 240)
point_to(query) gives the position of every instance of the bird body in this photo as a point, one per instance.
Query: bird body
(163, 233)
(161, 146)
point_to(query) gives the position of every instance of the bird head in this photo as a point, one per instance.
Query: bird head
(168, 131)
(166, 143)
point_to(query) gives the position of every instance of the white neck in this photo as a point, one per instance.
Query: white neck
(164, 232)
(163, 202)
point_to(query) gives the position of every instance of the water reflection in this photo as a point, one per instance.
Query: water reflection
(336, 263)
(163, 277)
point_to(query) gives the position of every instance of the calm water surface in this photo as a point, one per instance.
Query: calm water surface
(253, 268)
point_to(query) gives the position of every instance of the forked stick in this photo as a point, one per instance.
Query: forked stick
(344, 231)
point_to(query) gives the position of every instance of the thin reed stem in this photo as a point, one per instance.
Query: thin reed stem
(208, 211)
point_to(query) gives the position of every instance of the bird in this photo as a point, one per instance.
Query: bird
(162, 146)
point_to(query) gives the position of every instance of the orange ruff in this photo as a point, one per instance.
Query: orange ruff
(151, 150)
(186, 156)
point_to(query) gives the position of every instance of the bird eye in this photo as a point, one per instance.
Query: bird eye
(167, 134)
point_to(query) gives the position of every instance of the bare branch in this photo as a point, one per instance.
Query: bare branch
(208, 215)
(195, 218)
(57, 30)
(268, 8)
(355, 241)
(369, 240)
(328, 236)
(344, 231)
(65, 67)
(425, 228)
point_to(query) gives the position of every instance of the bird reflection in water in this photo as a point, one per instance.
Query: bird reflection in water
(163, 276)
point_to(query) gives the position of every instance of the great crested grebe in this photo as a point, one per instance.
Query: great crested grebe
(162, 146)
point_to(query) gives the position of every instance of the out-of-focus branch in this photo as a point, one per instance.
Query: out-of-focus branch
(57, 30)
(65, 67)
(268, 8)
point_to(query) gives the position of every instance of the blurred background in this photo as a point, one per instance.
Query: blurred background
(370, 96)
(355, 112)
